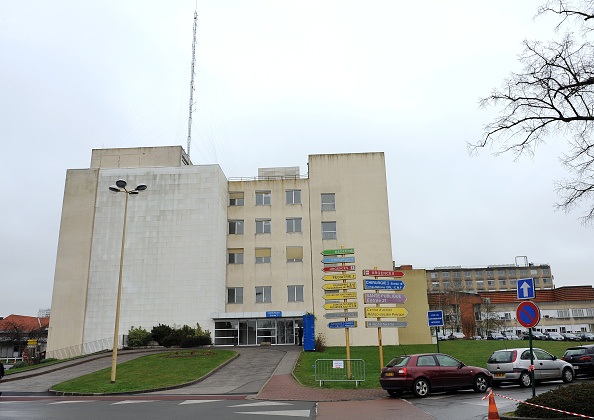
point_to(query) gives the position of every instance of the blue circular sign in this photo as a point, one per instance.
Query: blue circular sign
(527, 314)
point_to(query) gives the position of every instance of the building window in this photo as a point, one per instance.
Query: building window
(457, 274)
(478, 274)
(533, 272)
(480, 284)
(295, 293)
(262, 198)
(490, 282)
(235, 227)
(263, 226)
(489, 273)
(294, 254)
(513, 283)
(435, 284)
(523, 272)
(434, 275)
(293, 196)
(328, 230)
(262, 255)
(546, 280)
(469, 284)
(328, 202)
(500, 273)
(446, 284)
(503, 282)
(536, 280)
(458, 284)
(468, 274)
(545, 271)
(511, 273)
(445, 275)
(235, 295)
(263, 294)
(236, 198)
(235, 255)
(294, 225)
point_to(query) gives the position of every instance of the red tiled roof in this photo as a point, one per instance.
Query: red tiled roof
(25, 323)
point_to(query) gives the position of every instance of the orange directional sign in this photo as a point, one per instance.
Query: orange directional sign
(340, 277)
(340, 268)
(346, 295)
(339, 286)
(385, 312)
(341, 305)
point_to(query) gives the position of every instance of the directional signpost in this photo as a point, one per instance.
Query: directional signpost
(526, 289)
(343, 324)
(341, 305)
(346, 295)
(339, 277)
(340, 286)
(383, 273)
(435, 319)
(384, 312)
(528, 316)
(339, 268)
(342, 251)
(386, 324)
(369, 284)
(338, 260)
(384, 298)
(341, 315)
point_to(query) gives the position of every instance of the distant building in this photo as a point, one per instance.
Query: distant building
(242, 257)
(44, 313)
(16, 330)
(491, 278)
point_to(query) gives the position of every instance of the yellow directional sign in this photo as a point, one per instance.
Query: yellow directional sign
(338, 286)
(346, 295)
(385, 312)
(341, 305)
(32, 342)
(340, 277)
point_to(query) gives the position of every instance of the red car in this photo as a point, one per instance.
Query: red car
(423, 373)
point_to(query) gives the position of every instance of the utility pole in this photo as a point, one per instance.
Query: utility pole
(192, 85)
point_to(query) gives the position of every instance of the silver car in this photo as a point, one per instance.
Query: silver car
(512, 365)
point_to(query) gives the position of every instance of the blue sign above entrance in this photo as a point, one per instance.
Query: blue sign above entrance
(274, 314)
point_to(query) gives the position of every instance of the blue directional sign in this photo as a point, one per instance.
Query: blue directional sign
(273, 314)
(343, 324)
(435, 318)
(526, 289)
(383, 284)
(338, 260)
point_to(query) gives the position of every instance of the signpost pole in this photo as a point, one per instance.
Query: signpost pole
(379, 333)
(531, 364)
(437, 337)
(346, 331)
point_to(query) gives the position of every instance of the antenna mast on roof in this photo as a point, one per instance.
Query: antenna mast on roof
(192, 84)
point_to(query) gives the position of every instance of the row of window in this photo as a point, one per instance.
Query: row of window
(263, 294)
(263, 255)
(293, 224)
(490, 273)
(481, 283)
(264, 198)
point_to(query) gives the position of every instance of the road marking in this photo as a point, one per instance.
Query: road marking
(197, 401)
(69, 402)
(288, 413)
(133, 402)
(260, 404)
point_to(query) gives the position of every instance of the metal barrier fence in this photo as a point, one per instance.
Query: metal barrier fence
(327, 370)
(85, 348)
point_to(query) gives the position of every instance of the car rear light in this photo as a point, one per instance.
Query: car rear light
(402, 372)
(515, 356)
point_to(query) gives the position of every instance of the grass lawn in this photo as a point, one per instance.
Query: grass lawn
(471, 352)
(148, 372)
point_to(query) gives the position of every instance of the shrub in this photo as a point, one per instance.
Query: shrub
(19, 364)
(173, 339)
(203, 340)
(573, 398)
(320, 344)
(160, 332)
(138, 337)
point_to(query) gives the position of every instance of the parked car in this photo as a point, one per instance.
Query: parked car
(440, 336)
(512, 365)
(570, 337)
(586, 336)
(510, 335)
(495, 336)
(476, 337)
(457, 336)
(423, 373)
(582, 358)
(536, 335)
(554, 336)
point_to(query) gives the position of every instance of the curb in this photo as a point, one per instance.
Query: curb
(142, 391)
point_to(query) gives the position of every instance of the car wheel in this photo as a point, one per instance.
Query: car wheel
(394, 393)
(567, 375)
(421, 387)
(480, 384)
(525, 380)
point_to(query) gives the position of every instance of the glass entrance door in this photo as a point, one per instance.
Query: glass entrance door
(247, 332)
(285, 331)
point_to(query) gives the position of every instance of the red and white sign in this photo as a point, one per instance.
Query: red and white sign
(340, 268)
(528, 314)
(383, 273)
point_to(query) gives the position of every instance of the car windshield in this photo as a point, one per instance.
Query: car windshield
(502, 357)
(497, 335)
(398, 361)
(574, 352)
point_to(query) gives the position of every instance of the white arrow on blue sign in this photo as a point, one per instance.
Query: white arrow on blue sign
(338, 260)
(526, 289)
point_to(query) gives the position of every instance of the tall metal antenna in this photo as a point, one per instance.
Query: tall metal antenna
(192, 85)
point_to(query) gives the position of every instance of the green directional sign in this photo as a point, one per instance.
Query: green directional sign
(338, 251)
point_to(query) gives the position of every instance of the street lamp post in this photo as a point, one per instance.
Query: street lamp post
(120, 186)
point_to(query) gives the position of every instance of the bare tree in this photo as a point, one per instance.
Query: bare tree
(553, 95)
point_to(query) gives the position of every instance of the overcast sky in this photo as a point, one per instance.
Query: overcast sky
(276, 81)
